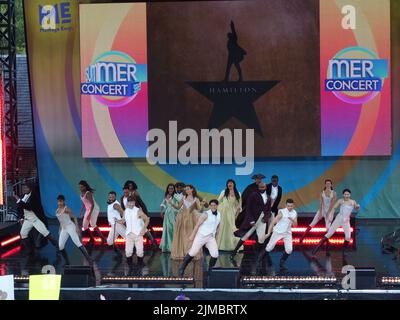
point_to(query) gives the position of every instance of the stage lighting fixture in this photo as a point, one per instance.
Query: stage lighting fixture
(146, 280)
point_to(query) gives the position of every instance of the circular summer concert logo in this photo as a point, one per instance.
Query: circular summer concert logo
(356, 75)
(112, 79)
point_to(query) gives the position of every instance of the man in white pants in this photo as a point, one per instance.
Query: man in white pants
(116, 221)
(204, 235)
(281, 228)
(31, 208)
(136, 226)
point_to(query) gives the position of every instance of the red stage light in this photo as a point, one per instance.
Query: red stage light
(11, 252)
(11, 240)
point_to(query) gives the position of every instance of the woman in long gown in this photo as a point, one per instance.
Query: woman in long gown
(168, 213)
(186, 219)
(229, 207)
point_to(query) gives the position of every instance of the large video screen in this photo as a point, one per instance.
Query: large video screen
(310, 78)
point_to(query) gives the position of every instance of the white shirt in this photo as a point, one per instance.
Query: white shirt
(63, 218)
(113, 214)
(134, 224)
(210, 225)
(264, 196)
(274, 192)
(285, 224)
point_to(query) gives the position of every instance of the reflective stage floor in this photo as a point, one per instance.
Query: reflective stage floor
(365, 253)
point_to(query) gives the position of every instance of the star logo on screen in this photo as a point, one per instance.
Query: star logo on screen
(234, 98)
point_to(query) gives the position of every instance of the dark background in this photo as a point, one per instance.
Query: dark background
(187, 42)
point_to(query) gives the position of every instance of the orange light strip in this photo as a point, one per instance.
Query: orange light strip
(11, 240)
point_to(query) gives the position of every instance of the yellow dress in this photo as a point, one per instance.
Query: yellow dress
(186, 220)
(228, 207)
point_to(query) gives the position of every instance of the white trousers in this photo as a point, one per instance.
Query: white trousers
(337, 223)
(69, 231)
(200, 240)
(115, 231)
(287, 241)
(93, 219)
(32, 221)
(318, 216)
(134, 241)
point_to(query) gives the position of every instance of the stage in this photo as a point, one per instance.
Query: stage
(365, 252)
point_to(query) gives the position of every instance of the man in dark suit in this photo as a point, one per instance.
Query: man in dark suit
(246, 194)
(274, 191)
(31, 215)
(255, 224)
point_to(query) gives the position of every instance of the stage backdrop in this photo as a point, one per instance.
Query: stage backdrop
(55, 75)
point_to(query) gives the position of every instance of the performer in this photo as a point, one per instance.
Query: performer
(33, 217)
(281, 228)
(229, 207)
(136, 226)
(327, 199)
(203, 234)
(132, 186)
(186, 219)
(258, 213)
(168, 213)
(274, 191)
(115, 217)
(347, 205)
(246, 194)
(68, 229)
(92, 211)
(124, 197)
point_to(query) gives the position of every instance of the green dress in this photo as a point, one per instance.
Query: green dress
(168, 223)
(228, 207)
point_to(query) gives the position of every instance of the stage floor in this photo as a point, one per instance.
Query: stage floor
(367, 253)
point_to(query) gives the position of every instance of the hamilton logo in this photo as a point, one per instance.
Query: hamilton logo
(234, 98)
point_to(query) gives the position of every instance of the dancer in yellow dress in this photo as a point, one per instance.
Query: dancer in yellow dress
(229, 207)
(186, 219)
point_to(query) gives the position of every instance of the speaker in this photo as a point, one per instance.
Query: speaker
(78, 276)
(365, 278)
(224, 278)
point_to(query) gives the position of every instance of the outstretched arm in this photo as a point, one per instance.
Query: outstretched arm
(200, 221)
(233, 29)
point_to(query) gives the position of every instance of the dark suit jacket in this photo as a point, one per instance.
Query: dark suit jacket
(275, 206)
(255, 206)
(245, 195)
(33, 204)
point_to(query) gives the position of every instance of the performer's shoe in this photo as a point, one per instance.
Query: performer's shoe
(152, 240)
(345, 246)
(130, 265)
(320, 244)
(305, 234)
(211, 264)
(234, 252)
(86, 255)
(118, 257)
(29, 249)
(102, 237)
(92, 241)
(282, 266)
(140, 262)
(65, 256)
(53, 241)
(184, 264)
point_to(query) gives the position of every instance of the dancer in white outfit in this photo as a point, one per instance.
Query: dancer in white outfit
(68, 229)
(204, 234)
(33, 216)
(115, 217)
(327, 199)
(136, 227)
(91, 213)
(347, 205)
(281, 228)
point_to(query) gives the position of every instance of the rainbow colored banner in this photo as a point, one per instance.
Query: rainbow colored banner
(113, 45)
(355, 77)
